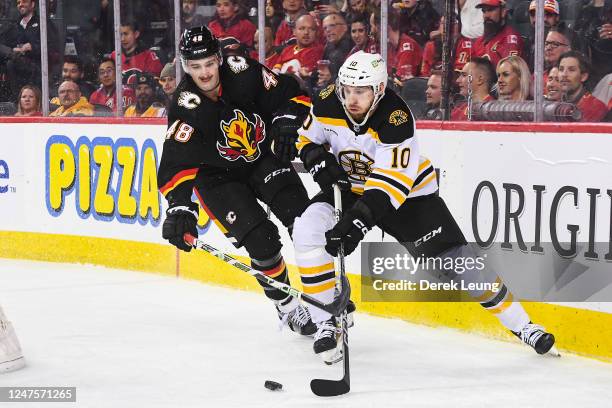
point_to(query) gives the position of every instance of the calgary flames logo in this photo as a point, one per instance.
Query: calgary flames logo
(242, 136)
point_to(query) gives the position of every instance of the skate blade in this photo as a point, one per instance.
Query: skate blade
(12, 365)
(332, 356)
(553, 352)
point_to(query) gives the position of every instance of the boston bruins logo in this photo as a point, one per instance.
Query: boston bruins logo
(327, 91)
(357, 165)
(398, 117)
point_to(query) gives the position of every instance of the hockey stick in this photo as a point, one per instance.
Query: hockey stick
(335, 308)
(332, 388)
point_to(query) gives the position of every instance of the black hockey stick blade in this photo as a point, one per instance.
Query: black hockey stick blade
(329, 388)
(334, 388)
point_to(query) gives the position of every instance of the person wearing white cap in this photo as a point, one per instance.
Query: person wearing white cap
(552, 15)
(551, 20)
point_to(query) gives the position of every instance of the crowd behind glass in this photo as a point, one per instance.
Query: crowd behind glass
(490, 71)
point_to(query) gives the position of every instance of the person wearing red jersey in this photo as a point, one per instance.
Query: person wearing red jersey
(477, 76)
(499, 40)
(271, 52)
(293, 10)
(574, 71)
(105, 94)
(403, 53)
(432, 52)
(134, 57)
(360, 34)
(301, 58)
(231, 21)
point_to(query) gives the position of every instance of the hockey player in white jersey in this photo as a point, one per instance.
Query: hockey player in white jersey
(375, 158)
(11, 357)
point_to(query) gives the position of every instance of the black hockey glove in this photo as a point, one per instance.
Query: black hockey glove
(181, 218)
(284, 134)
(283, 130)
(350, 230)
(324, 168)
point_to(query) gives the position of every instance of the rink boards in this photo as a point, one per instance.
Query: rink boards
(85, 191)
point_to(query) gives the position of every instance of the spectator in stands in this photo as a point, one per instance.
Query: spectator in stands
(513, 79)
(271, 52)
(404, 54)
(553, 86)
(551, 19)
(134, 57)
(559, 40)
(472, 24)
(574, 71)
(433, 96)
(301, 59)
(499, 40)
(594, 27)
(293, 10)
(339, 44)
(72, 103)
(355, 9)
(432, 53)
(418, 19)
(105, 95)
(360, 34)
(28, 102)
(167, 80)
(72, 70)
(20, 50)
(552, 15)
(231, 20)
(274, 14)
(603, 90)
(190, 18)
(146, 107)
(475, 81)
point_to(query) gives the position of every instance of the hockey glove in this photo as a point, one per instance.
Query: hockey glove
(180, 219)
(350, 230)
(284, 129)
(324, 168)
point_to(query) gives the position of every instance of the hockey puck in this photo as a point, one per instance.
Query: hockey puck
(273, 385)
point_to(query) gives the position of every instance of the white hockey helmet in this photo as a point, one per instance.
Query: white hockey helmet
(362, 69)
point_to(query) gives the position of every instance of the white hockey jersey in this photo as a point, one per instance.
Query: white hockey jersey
(382, 155)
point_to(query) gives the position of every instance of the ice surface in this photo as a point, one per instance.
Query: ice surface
(129, 339)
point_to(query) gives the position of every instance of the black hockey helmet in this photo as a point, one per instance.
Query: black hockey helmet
(197, 43)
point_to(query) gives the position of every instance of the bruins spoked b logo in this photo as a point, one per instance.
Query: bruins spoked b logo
(357, 165)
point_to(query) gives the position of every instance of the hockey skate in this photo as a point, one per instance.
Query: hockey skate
(535, 336)
(326, 341)
(11, 357)
(334, 355)
(297, 318)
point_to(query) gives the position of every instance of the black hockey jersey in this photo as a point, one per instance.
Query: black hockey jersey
(228, 133)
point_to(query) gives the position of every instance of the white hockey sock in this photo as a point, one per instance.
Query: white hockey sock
(318, 279)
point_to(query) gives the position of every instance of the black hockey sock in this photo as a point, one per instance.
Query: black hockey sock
(276, 269)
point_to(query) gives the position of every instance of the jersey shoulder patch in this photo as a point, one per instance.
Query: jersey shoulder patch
(329, 106)
(393, 120)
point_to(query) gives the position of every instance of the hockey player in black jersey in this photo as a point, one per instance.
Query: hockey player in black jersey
(225, 113)
(374, 156)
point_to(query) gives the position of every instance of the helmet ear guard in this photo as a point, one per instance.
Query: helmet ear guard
(362, 69)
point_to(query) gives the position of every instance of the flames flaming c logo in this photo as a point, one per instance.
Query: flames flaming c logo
(242, 136)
